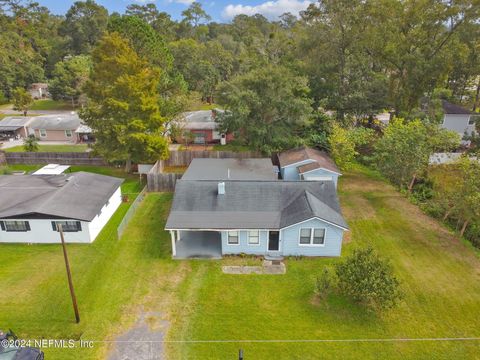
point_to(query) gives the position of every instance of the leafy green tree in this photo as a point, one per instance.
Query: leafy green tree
(469, 199)
(195, 14)
(402, 153)
(123, 107)
(84, 24)
(22, 100)
(161, 22)
(264, 108)
(344, 144)
(69, 78)
(151, 46)
(368, 279)
(30, 144)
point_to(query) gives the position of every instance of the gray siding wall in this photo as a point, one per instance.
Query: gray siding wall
(290, 240)
(290, 172)
(311, 175)
(243, 246)
(458, 123)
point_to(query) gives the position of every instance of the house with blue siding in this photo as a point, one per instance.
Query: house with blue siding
(213, 217)
(307, 164)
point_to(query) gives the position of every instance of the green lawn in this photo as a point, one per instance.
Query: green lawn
(440, 282)
(51, 105)
(115, 279)
(52, 148)
(231, 147)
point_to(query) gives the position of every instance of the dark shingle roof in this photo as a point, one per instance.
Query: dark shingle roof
(449, 108)
(78, 196)
(238, 169)
(252, 204)
(297, 155)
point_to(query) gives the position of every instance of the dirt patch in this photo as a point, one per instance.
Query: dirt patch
(144, 341)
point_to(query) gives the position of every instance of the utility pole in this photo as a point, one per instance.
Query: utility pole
(69, 275)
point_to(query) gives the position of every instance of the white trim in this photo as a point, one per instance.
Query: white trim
(40, 133)
(238, 238)
(231, 229)
(316, 217)
(248, 237)
(321, 168)
(311, 161)
(172, 238)
(279, 241)
(312, 230)
(71, 133)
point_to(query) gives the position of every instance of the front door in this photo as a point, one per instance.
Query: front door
(273, 240)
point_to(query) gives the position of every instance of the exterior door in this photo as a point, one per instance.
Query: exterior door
(273, 240)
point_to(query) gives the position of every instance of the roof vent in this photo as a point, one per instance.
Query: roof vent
(221, 188)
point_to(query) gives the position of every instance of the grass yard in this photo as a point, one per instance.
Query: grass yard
(440, 281)
(115, 279)
(52, 148)
(50, 104)
(231, 147)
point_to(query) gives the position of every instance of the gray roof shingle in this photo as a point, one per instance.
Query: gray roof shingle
(79, 195)
(238, 169)
(252, 204)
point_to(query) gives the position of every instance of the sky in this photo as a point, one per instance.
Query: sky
(219, 10)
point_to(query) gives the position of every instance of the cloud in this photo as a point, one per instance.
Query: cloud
(269, 9)
(184, 2)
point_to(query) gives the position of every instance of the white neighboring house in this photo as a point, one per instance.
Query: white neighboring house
(458, 119)
(32, 206)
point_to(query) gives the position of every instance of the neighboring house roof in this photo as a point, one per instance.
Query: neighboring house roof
(12, 123)
(449, 108)
(199, 120)
(230, 169)
(308, 167)
(253, 204)
(56, 122)
(78, 196)
(84, 129)
(298, 155)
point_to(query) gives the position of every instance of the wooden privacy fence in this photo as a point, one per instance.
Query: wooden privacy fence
(3, 160)
(157, 180)
(65, 158)
(184, 158)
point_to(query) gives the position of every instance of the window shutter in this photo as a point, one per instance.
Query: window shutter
(54, 226)
(27, 225)
(79, 226)
(2, 225)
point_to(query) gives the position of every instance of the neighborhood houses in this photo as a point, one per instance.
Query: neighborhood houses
(33, 206)
(239, 207)
(254, 180)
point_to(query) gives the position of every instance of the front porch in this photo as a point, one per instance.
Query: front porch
(196, 244)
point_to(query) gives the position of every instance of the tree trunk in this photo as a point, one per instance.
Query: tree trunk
(25, 112)
(128, 165)
(477, 97)
(410, 186)
(464, 227)
(447, 214)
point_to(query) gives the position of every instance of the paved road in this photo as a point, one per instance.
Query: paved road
(34, 112)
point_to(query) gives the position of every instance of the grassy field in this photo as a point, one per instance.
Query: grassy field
(52, 148)
(51, 105)
(439, 278)
(115, 279)
(231, 147)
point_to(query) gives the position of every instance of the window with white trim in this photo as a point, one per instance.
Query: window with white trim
(14, 225)
(233, 237)
(253, 237)
(67, 226)
(43, 132)
(68, 133)
(312, 236)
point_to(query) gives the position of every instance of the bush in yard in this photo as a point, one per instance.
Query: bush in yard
(368, 279)
(30, 144)
(323, 283)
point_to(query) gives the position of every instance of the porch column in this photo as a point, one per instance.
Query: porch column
(172, 236)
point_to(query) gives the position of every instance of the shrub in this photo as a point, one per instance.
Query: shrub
(323, 283)
(30, 144)
(368, 279)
